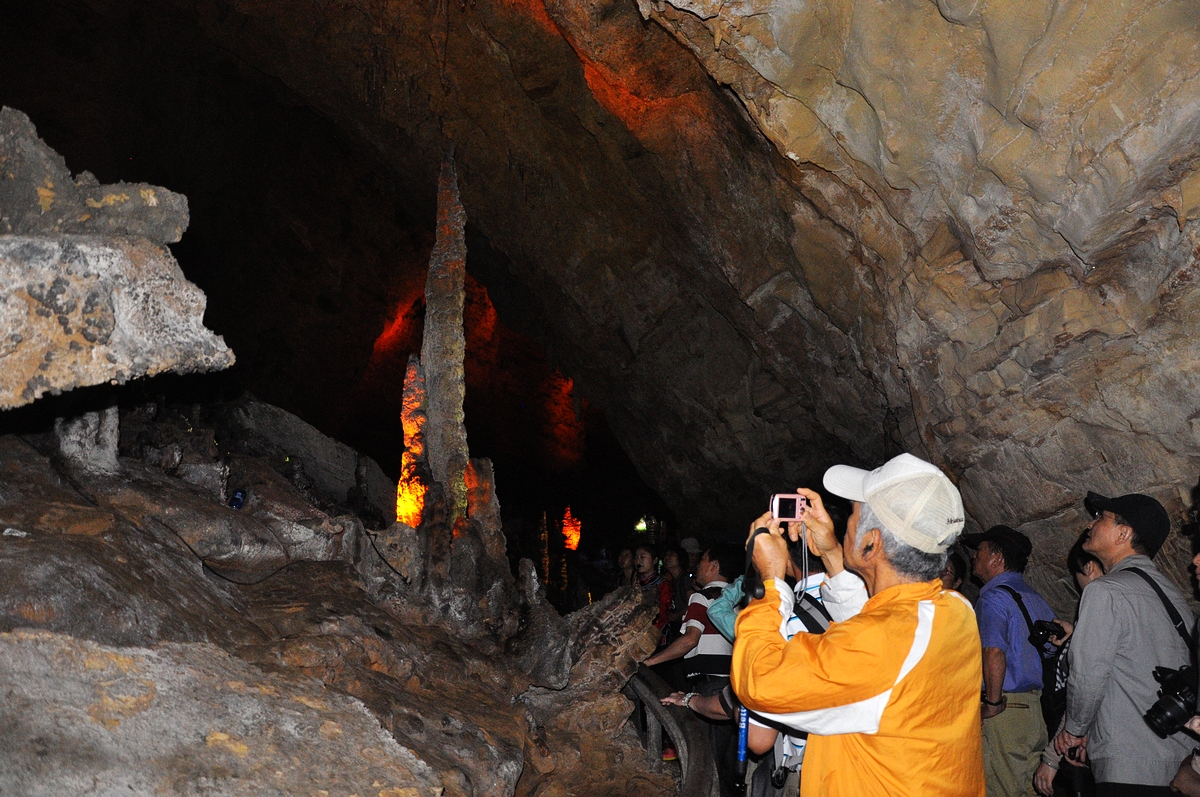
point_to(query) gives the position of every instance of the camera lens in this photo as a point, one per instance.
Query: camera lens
(1168, 715)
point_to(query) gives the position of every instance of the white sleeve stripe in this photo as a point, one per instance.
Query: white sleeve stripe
(787, 602)
(865, 715)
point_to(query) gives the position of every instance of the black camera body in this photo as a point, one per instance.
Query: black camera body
(1039, 637)
(1176, 700)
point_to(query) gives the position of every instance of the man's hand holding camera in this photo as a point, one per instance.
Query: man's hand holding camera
(771, 551)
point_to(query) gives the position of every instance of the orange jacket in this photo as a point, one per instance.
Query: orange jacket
(891, 695)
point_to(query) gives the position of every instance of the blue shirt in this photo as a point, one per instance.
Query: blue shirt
(1001, 625)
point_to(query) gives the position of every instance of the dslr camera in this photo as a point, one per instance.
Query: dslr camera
(1039, 637)
(1176, 700)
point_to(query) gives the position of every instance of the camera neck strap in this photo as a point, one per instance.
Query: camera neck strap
(1172, 612)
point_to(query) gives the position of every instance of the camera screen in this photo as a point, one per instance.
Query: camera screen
(787, 507)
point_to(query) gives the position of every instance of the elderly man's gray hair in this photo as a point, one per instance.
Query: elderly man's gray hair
(907, 560)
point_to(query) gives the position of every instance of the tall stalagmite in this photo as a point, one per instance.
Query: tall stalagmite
(443, 349)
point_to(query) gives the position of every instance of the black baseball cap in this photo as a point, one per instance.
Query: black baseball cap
(1143, 513)
(1002, 535)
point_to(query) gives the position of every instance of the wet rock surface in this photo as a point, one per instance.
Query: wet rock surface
(88, 292)
(305, 653)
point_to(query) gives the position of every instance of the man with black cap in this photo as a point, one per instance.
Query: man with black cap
(1014, 733)
(1125, 630)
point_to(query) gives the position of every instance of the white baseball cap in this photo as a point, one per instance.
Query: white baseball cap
(913, 498)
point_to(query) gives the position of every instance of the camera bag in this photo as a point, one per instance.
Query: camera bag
(1054, 699)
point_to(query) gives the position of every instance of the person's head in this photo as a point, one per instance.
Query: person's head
(906, 516)
(954, 572)
(625, 559)
(675, 561)
(645, 559)
(998, 550)
(1124, 526)
(720, 563)
(692, 546)
(1085, 567)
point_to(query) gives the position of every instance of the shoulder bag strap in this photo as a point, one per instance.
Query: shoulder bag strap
(1176, 620)
(1020, 604)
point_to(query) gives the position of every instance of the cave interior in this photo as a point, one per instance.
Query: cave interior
(711, 250)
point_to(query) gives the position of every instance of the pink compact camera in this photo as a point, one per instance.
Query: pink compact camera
(788, 506)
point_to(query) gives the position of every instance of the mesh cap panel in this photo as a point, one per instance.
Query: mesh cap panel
(922, 509)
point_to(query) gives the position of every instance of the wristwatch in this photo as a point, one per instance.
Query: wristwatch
(987, 702)
(687, 700)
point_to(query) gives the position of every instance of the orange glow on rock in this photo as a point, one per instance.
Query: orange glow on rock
(564, 429)
(571, 529)
(635, 111)
(410, 490)
(536, 10)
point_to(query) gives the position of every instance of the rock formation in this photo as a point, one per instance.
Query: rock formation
(214, 598)
(767, 238)
(88, 293)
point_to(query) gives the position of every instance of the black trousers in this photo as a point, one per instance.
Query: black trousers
(1131, 790)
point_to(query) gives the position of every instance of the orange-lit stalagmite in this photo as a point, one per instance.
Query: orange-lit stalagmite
(571, 530)
(410, 491)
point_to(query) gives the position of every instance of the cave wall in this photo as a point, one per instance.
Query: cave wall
(768, 237)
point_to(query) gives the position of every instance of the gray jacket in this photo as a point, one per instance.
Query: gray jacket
(1122, 634)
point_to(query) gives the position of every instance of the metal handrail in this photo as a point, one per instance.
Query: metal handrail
(687, 731)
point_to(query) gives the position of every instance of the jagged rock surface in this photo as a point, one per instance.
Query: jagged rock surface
(88, 292)
(150, 555)
(184, 719)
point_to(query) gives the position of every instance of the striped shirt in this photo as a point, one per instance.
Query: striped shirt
(713, 654)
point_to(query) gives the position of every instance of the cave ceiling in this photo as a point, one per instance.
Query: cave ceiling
(767, 237)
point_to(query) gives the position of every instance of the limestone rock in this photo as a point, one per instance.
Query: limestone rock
(83, 310)
(88, 293)
(39, 198)
(112, 558)
(83, 718)
(340, 475)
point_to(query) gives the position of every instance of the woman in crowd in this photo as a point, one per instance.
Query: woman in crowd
(1086, 569)
(625, 564)
(954, 572)
(645, 563)
(675, 562)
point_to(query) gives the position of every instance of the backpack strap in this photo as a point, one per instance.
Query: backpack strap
(812, 614)
(1172, 612)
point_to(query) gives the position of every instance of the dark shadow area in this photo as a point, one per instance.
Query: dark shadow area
(312, 252)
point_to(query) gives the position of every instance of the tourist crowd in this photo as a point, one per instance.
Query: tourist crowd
(864, 670)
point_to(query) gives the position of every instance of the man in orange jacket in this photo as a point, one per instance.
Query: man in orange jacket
(890, 696)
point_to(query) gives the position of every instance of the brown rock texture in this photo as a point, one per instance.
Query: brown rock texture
(286, 618)
(184, 719)
(88, 292)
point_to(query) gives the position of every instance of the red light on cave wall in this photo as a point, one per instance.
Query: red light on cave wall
(571, 530)
(564, 427)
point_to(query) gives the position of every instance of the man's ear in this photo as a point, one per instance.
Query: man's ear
(872, 543)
